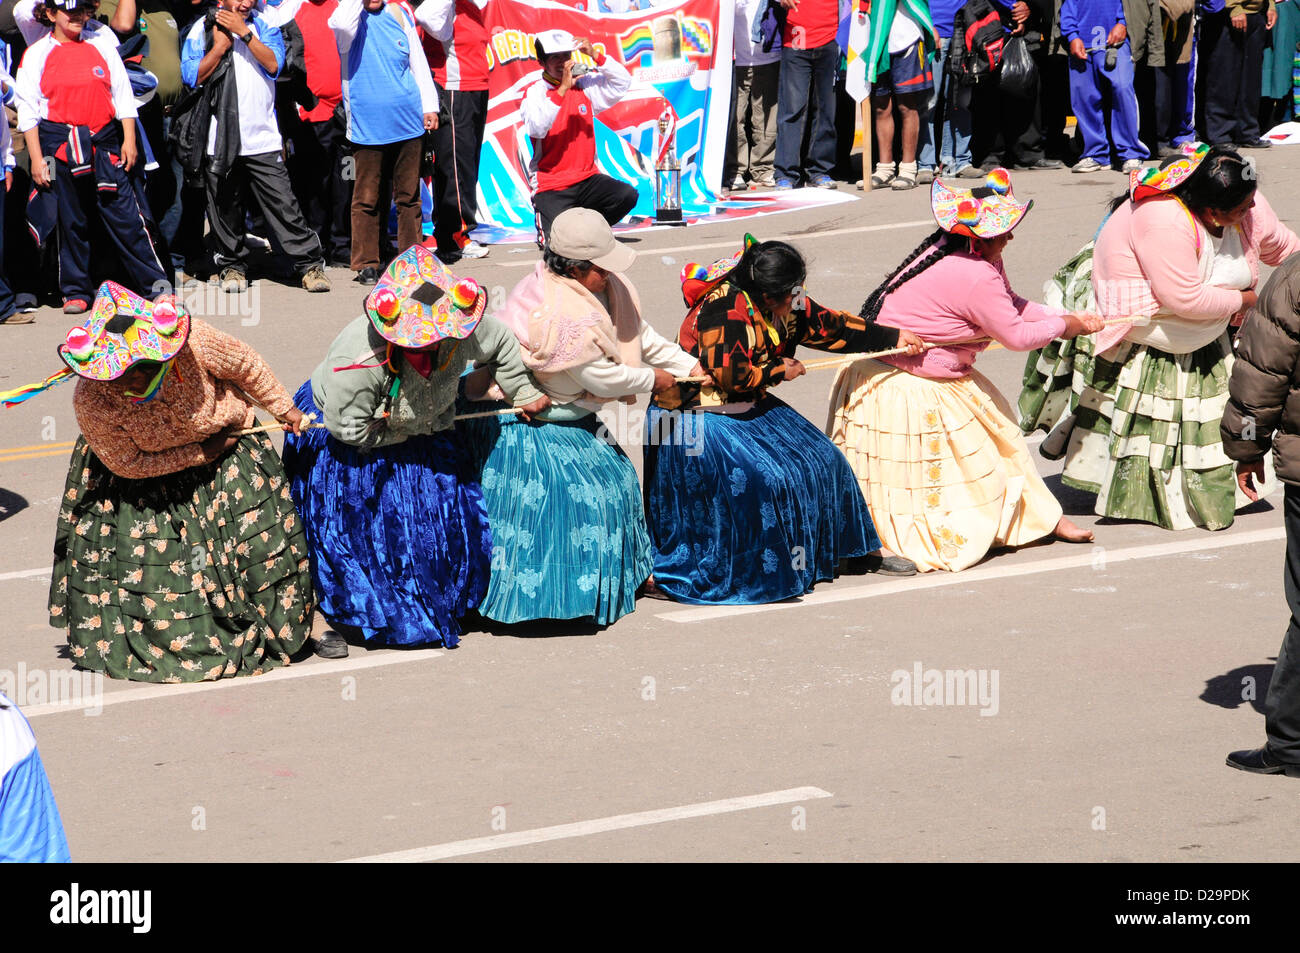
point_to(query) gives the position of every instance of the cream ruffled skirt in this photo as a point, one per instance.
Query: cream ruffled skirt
(945, 471)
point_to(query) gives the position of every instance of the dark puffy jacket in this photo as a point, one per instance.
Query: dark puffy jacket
(1264, 392)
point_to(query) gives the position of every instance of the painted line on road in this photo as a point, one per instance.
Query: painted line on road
(978, 575)
(32, 456)
(601, 825)
(796, 236)
(26, 573)
(372, 659)
(38, 446)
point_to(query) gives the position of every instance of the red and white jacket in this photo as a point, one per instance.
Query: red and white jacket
(457, 42)
(563, 127)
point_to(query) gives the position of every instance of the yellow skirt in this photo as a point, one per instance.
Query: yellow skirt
(946, 473)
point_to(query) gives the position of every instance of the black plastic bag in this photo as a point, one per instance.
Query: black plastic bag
(1019, 76)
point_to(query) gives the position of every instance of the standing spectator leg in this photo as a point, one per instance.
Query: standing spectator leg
(793, 105)
(765, 83)
(457, 148)
(821, 146)
(1282, 703)
(1251, 78)
(1124, 105)
(406, 192)
(1221, 74)
(74, 196)
(366, 163)
(735, 161)
(226, 214)
(1085, 96)
(271, 188)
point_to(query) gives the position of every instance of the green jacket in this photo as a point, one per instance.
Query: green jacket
(353, 400)
(882, 18)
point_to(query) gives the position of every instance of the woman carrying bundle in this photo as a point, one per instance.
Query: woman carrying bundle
(568, 525)
(746, 501)
(399, 538)
(946, 472)
(178, 556)
(1184, 248)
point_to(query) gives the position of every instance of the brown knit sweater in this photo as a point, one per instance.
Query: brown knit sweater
(203, 394)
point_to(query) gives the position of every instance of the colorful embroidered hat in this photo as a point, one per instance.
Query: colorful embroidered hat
(698, 279)
(419, 302)
(124, 329)
(985, 211)
(1169, 174)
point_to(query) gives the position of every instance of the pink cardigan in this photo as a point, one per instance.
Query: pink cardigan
(1152, 257)
(961, 298)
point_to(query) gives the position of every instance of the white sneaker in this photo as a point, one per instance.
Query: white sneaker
(1086, 165)
(473, 249)
(1131, 165)
(738, 183)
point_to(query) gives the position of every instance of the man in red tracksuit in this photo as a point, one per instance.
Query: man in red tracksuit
(456, 46)
(558, 112)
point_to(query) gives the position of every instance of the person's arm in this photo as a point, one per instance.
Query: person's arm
(829, 330)
(208, 62)
(123, 21)
(539, 110)
(611, 83)
(727, 338)
(1014, 322)
(495, 345)
(192, 55)
(423, 75)
(25, 18)
(1276, 241)
(229, 359)
(438, 17)
(658, 351)
(1166, 253)
(29, 101)
(1070, 22)
(120, 86)
(1267, 354)
(607, 379)
(345, 21)
(267, 46)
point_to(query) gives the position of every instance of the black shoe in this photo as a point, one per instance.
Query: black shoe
(367, 276)
(448, 257)
(1164, 151)
(1041, 164)
(341, 261)
(1259, 761)
(884, 565)
(331, 645)
(1260, 143)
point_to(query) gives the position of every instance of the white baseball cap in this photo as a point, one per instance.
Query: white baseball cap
(555, 41)
(582, 234)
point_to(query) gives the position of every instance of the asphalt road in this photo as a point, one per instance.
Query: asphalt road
(704, 734)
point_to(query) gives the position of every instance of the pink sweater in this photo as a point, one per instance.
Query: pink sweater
(1155, 256)
(961, 298)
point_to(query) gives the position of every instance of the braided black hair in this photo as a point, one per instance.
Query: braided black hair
(774, 269)
(934, 248)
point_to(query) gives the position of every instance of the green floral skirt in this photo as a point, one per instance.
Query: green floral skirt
(196, 575)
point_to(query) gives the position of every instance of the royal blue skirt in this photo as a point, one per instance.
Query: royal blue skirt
(748, 508)
(399, 538)
(568, 525)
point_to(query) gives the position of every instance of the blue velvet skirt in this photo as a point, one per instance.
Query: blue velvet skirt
(399, 538)
(568, 527)
(748, 508)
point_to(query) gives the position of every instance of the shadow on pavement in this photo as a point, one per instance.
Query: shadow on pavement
(1249, 683)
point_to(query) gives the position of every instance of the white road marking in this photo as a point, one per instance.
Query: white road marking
(601, 825)
(372, 659)
(796, 237)
(25, 573)
(986, 574)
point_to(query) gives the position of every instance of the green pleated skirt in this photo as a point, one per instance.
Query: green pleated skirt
(201, 574)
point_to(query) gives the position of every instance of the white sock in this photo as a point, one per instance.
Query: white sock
(907, 168)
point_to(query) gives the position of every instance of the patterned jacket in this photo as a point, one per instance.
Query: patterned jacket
(743, 349)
